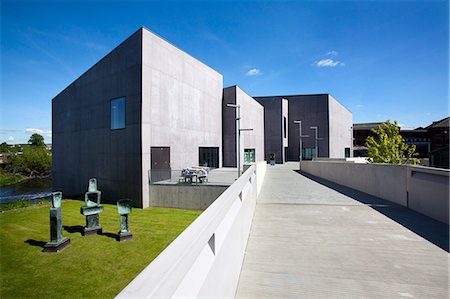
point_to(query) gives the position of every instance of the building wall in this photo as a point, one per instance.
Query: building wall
(84, 146)
(252, 117)
(181, 105)
(340, 129)
(273, 127)
(285, 126)
(311, 110)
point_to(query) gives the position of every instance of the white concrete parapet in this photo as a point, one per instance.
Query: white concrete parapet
(422, 189)
(206, 259)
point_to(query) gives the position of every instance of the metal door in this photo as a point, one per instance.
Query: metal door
(160, 164)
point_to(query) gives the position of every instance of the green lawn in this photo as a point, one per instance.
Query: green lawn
(91, 267)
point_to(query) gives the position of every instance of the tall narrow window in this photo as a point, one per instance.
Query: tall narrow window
(284, 126)
(118, 113)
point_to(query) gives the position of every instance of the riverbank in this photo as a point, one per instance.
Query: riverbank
(90, 267)
(10, 179)
(31, 189)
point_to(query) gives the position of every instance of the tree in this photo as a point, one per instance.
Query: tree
(34, 161)
(5, 148)
(389, 147)
(36, 140)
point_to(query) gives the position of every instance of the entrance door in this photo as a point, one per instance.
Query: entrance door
(208, 156)
(160, 164)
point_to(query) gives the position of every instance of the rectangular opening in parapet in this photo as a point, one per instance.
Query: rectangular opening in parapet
(212, 243)
(240, 196)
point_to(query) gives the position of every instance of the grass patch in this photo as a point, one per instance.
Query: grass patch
(91, 267)
(9, 179)
(19, 204)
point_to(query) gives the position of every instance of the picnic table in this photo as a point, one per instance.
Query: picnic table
(199, 173)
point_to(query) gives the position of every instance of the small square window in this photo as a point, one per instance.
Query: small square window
(118, 113)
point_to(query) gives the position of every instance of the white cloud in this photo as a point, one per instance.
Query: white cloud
(329, 63)
(359, 106)
(48, 133)
(253, 72)
(10, 138)
(333, 53)
(34, 130)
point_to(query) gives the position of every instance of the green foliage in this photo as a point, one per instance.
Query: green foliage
(9, 179)
(389, 146)
(90, 267)
(5, 148)
(34, 161)
(36, 140)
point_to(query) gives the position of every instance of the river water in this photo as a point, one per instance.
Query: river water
(32, 190)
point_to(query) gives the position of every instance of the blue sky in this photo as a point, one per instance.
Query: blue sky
(380, 59)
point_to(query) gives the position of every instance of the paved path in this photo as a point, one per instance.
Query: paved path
(310, 241)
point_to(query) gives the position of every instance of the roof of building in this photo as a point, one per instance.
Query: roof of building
(367, 126)
(443, 123)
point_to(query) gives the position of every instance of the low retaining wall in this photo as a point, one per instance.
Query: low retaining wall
(422, 189)
(206, 259)
(189, 197)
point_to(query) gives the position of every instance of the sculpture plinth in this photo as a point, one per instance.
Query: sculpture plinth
(57, 241)
(92, 209)
(124, 209)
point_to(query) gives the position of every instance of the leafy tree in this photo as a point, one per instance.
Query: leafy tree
(389, 147)
(36, 140)
(34, 161)
(4, 148)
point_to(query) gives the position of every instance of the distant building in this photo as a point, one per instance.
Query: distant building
(251, 117)
(333, 120)
(438, 132)
(431, 142)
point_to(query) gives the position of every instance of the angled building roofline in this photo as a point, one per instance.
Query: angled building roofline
(115, 48)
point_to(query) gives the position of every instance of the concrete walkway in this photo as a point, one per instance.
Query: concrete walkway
(310, 240)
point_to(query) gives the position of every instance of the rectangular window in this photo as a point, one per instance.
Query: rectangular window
(118, 113)
(249, 155)
(347, 152)
(284, 126)
(208, 156)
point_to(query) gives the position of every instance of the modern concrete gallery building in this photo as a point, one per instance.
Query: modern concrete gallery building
(251, 117)
(148, 109)
(145, 108)
(333, 120)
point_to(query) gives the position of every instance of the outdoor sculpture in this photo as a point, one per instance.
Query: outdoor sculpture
(92, 209)
(124, 209)
(57, 241)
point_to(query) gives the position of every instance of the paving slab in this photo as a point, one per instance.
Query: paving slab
(309, 240)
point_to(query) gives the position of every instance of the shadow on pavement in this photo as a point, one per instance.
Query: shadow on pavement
(434, 231)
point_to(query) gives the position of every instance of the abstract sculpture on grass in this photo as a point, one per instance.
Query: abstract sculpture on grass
(57, 241)
(92, 209)
(124, 210)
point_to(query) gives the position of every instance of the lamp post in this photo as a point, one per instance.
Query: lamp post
(300, 143)
(238, 136)
(316, 138)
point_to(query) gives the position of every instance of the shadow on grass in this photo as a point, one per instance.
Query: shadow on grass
(36, 243)
(110, 235)
(434, 231)
(74, 229)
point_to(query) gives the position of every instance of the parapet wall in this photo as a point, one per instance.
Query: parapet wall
(422, 189)
(206, 259)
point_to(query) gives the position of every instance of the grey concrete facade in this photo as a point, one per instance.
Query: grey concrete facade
(275, 111)
(181, 106)
(333, 120)
(171, 100)
(252, 117)
(83, 145)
